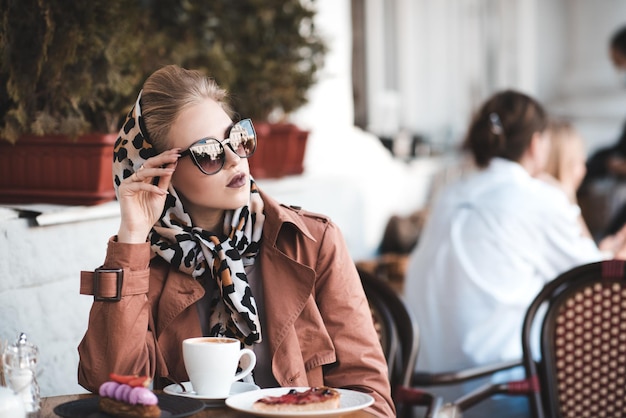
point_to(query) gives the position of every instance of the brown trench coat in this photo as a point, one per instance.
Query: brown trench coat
(319, 325)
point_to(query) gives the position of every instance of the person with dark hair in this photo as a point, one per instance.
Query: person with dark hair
(611, 161)
(617, 47)
(492, 240)
(202, 251)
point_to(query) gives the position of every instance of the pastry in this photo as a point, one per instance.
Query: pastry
(313, 399)
(128, 397)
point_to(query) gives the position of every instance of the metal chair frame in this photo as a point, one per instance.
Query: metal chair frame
(544, 384)
(402, 359)
(558, 294)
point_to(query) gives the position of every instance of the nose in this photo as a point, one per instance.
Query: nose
(232, 159)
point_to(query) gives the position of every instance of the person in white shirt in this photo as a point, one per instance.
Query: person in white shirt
(491, 242)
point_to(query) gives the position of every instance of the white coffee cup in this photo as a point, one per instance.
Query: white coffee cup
(211, 364)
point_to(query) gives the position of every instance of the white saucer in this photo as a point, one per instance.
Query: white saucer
(236, 388)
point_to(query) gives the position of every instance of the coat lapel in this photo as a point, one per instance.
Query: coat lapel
(287, 286)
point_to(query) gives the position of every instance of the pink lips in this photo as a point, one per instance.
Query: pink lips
(238, 181)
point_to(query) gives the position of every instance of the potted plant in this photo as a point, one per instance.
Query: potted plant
(266, 53)
(68, 72)
(272, 80)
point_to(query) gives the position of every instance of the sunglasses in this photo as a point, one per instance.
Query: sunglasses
(209, 155)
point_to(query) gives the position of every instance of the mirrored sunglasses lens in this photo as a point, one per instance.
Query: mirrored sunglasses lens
(209, 156)
(243, 138)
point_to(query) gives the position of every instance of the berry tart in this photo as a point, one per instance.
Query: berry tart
(312, 399)
(128, 397)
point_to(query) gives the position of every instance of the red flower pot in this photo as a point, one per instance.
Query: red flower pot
(57, 169)
(280, 151)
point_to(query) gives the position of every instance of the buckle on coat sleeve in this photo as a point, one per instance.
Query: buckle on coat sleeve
(118, 285)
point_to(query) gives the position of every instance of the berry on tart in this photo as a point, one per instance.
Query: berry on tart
(128, 396)
(312, 399)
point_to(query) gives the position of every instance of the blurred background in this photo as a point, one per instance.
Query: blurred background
(385, 114)
(421, 66)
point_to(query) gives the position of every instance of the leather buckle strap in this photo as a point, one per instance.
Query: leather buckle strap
(98, 276)
(110, 285)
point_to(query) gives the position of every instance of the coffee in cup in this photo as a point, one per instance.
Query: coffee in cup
(211, 363)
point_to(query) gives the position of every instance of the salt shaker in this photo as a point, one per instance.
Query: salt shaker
(11, 405)
(20, 368)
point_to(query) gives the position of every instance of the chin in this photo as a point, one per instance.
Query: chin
(240, 199)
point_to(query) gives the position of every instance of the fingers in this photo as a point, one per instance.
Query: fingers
(163, 159)
(162, 165)
(147, 174)
(151, 188)
(133, 184)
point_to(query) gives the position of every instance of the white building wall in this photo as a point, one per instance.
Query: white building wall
(39, 290)
(454, 54)
(588, 89)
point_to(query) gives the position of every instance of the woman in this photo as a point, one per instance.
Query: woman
(566, 167)
(609, 163)
(566, 170)
(204, 252)
(492, 241)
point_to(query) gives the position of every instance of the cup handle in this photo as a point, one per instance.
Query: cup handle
(247, 370)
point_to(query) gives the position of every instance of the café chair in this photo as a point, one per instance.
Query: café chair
(578, 369)
(399, 337)
(398, 333)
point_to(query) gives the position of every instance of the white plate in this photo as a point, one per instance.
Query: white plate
(349, 401)
(236, 388)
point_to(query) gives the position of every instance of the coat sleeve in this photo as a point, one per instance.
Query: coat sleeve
(118, 337)
(341, 299)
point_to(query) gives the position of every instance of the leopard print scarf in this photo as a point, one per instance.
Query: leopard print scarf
(195, 251)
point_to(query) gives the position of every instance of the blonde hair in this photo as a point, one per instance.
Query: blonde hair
(565, 140)
(170, 90)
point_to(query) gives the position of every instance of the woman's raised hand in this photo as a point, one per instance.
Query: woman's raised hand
(141, 200)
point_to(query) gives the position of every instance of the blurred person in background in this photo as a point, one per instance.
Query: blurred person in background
(492, 240)
(566, 169)
(610, 162)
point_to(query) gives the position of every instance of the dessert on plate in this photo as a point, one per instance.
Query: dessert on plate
(312, 399)
(128, 396)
